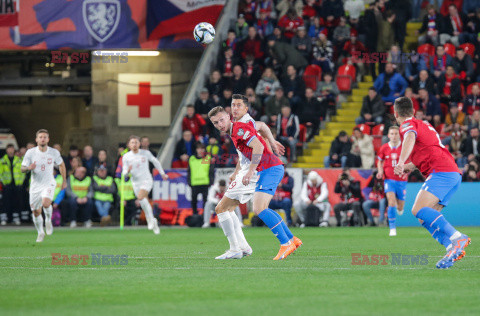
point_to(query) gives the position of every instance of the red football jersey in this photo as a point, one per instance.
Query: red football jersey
(242, 134)
(390, 155)
(429, 154)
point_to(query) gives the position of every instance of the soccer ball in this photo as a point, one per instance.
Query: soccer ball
(204, 33)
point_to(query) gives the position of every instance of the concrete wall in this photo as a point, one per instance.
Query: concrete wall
(106, 132)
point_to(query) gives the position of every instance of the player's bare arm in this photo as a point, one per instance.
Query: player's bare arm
(407, 148)
(257, 152)
(380, 169)
(29, 168)
(265, 132)
(63, 172)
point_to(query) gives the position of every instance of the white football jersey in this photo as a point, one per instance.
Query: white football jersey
(140, 170)
(42, 175)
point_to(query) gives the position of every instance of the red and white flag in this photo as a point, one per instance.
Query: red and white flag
(144, 99)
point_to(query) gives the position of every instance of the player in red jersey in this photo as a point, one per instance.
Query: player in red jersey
(395, 186)
(266, 170)
(422, 144)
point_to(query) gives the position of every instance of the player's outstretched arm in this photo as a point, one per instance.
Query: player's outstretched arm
(380, 169)
(265, 132)
(157, 165)
(257, 152)
(407, 148)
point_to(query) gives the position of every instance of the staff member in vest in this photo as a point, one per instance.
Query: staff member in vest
(80, 194)
(314, 194)
(103, 190)
(199, 175)
(130, 201)
(12, 178)
(59, 197)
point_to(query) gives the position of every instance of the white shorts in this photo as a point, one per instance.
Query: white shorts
(38, 193)
(242, 193)
(142, 185)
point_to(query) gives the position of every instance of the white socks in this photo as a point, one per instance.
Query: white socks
(38, 221)
(226, 222)
(48, 213)
(147, 208)
(242, 242)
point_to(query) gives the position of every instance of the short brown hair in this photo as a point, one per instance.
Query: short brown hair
(238, 96)
(393, 127)
(41, 131)
(215, 111)
(404, 107)
(132, 137)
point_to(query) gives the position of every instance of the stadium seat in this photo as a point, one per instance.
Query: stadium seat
(377, 143)
(450, 49)
(344, 83)
(428, 49)
(312, 75)
(347, 70)
(366, 129)
(378, 130)
(302, 135)
(469, 88)
(469, 49)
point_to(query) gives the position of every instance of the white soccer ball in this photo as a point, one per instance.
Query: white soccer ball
(204, 33)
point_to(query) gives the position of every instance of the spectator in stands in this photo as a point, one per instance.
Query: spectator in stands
(267, 85)
(390, 84)
(455, 27)
(373, 109)
(283, 7)
(472, 101)
(331, 12)
(252, 71)
(79, 193)
(57, 147)
(414, 66)
(72, 153)
(386, 32)
(285, 54)
(200, 174)
(193, 122)
(313, 198)
(302, 43)
(238, 81)
(226, 99)
(89, 160)
(409, 94)
(311, 112)
(354, 8)
(474, 120)
(353, 47)
(283, 197)
(369, 29)
(231, 41)
(432, 25)
(264, 25)
(327, 93)
(350, 196)
(463, 65)
(420, 114)
(470, 176)
(103, 188)
(214, 150)
(269, 6)
(341, 33)
(362, 152)
(75, 163)
(145, 145)
(455, 120)
(403, 13)
(310, 10)
(241, 27)
(449, 87)
(183, 150)
(323, 53)
(430, 106)
(255, 107)
(471, 145)
(288, 127)
(252, 45)
(394, 56)
(293, 85)
(102, 161)
(423, 81)
(274, 105)
(376, 199)
(226, 62)
(215, 85)
(455, 148)
(315, 28)
(339, 151)
(289, 23)
(438, 63)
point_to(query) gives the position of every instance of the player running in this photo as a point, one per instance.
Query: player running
(423, 145)
(135, 162)
(253, 151)
(40, 161)
(395, 186)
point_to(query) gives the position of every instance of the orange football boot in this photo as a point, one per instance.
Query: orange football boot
(298, 243)
(285, 251)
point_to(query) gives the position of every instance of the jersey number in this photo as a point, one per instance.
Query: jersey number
(430, 127)
(42, 167)
(394, 162)
(232, 185)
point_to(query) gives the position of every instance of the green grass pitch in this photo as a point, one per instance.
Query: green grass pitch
(175, 274)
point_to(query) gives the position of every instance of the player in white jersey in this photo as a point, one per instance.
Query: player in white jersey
(135, 162)
(40, 161)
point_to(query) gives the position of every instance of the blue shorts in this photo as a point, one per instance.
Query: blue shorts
(398, 187)
(443, 185)
(269, 179)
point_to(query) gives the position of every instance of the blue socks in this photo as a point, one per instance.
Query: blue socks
(271, 219)
(392, 216)
(437, 235)
(434, 221)
(285, 227)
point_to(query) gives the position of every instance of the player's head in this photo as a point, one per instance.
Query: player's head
(144, 142)
(10, 150)
(133, 143)
(42, 137)
(403, 109)
(394, 134)
(239, 106)
(220, 119)
(222, 185)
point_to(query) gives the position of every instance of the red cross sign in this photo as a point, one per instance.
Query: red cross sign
(144, 100)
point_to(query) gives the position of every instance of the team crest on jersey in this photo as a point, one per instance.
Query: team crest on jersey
(240, 132)
(101, 18)
(49, 161)
(143, 159)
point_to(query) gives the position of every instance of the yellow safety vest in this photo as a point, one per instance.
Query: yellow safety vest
(58, 187)
(6, 170)
(128, 193)
(199, 170)
(100, 196)
(80, 188)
